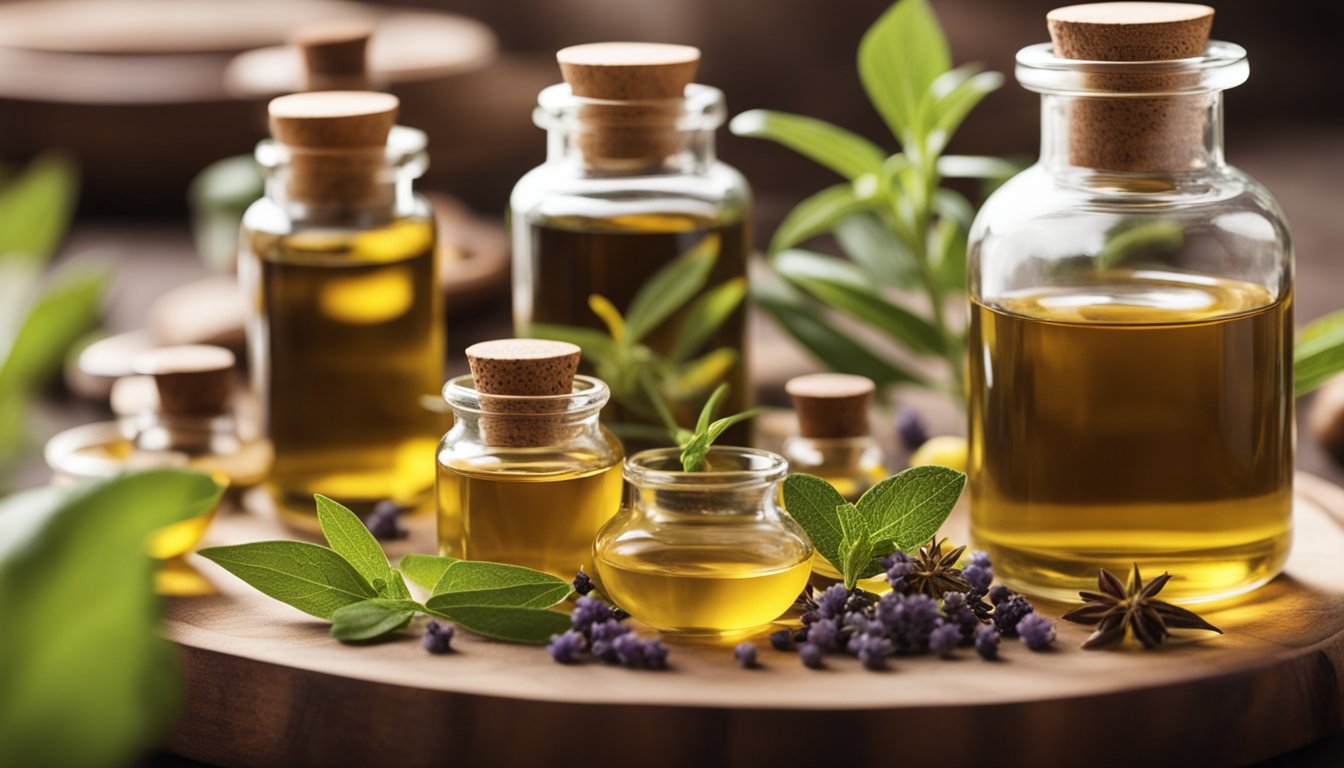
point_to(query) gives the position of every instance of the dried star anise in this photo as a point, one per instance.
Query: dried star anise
(935, 573)
(1119, 606)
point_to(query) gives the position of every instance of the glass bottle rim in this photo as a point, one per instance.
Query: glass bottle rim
(702, 108)
(1223, 65)
(660, 468)
(585, 399)
(405, 151)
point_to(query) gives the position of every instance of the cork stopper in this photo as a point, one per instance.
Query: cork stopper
(192, 380)
(337, 142)
(1163, 133)
(521, 382)
(831, 405)
(335, 54)
(644, 85)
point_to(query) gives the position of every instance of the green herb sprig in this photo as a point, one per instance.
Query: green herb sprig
(695, 444)
(900, 513)
(354, 586)
(641, 379)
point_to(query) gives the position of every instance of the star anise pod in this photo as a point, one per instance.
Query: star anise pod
(1131, 606)
(935, 573)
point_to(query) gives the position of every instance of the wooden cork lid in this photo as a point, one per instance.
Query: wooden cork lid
(831, 405)
(1140, 133)
(333, 119)
(629, 71)
(335, 54)
(521, 382)
(193, 380)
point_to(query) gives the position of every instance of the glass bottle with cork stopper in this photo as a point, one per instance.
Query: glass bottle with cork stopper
(527, 474)
(631, 182)
(346, 330)
(1131, 395)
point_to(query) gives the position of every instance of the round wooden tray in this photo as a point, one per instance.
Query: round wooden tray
(267, 686)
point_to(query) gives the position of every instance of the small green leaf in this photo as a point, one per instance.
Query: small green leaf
(60, 315)
(706, 315)
(948, 248)
(843, 151)
(711, 405)
(858, 554)
(470, 582)
(1319, 353)
(371, 619)
(517, 596)
(595, 345)
(425, 570)
(813, 502)
(35, 208)
(720, 426)
(313, 579)
(396, 588)
(899, 58)
(876, 250)
(513, 625)
(908, 508)
(956, 93)
(610, 317)
(689, 381)
(350, 539)
(670, 287)
(817, 215)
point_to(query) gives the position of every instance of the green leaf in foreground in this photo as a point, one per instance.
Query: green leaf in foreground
(1319, 353)
(469, 582)
(514, 625)
(371, 619)
(425, 570)
(313, 579)
(909, 507)
(813, 502)
(350, 539)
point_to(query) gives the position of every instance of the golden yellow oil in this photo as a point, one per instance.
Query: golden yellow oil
(540, 512)
(574, 257)
(1144, 417)
(702, 590)
(348, 336)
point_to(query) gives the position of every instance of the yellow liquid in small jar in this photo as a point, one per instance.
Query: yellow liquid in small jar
(348, 336)
(1145, 417)
(541, 513)
(701, 590)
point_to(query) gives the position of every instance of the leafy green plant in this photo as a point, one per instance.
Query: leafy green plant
(39, 318)
(695, 444)
(642, 380)
(352, 585)
(900, 228)
(85, 677)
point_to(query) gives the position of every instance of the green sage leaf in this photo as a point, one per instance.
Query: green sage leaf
(470, 582)
(899, 58)
(396, 588)
(1319, 353)
(841, 150)
(510, 624)
(350, 538)
(908, 508)
(817, 215)
(372, 619)
(313, 579)
(858, 554)
(425, 570)
(669, 288)
(813, 502)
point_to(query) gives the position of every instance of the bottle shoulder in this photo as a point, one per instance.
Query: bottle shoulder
(717, 191)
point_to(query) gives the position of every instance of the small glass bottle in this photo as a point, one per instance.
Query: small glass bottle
(186, 422)
(1131, 396)
(631, 182)
(527, 474)
(706, 553)
(346, 330)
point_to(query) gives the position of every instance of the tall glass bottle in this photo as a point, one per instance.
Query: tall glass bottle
(630, 183)
(346, 331)
(1131, 395)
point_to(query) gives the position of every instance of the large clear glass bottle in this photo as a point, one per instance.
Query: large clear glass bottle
(1130, 383)
(631, 182)
(346, 332)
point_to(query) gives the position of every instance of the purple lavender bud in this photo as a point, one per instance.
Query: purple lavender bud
(944, 639)
(655, 654)
(601, 637)
(987, 642)
(825, 634)
(382, 522)
(980, 558)
(438, 637)
(953, 602)
(831, 604)
(781, 640)
(921, 616)
(897, 556)
(872, 650)
(589, 611)
(563, 647)
(628, 650)
(911, 428)
(979, 577)
(1008, 613)
(745, 654)
(1036, 631)
(583, 583)
(857, 623)
(811, 656)
(999, 594)
(897, 573)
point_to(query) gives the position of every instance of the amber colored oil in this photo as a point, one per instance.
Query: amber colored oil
(540, 512)
(702, 589)
(574, 257)
(351, 332)
(1143, 417)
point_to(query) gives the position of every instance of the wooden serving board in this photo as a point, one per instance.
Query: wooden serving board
(267, 686)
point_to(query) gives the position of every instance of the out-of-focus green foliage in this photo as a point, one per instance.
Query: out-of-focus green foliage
(85, 679)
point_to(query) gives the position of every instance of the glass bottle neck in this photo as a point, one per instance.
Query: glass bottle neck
(1104, 137)
(688, 151)
(345, 187)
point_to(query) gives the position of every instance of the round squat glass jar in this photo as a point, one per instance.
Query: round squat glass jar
(1130, 381)
(708, 553)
